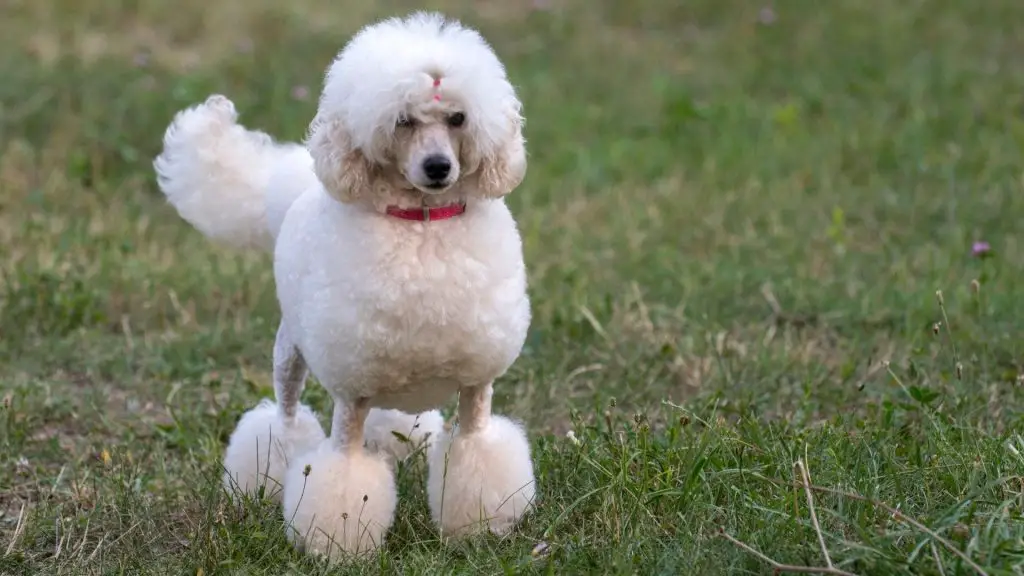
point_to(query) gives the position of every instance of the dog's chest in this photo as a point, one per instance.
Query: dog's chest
(406, 323)
(445, 311)
(442, 321)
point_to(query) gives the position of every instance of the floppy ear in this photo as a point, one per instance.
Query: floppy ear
(345, 172)
(505, 168)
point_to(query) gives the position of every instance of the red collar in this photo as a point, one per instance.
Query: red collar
(426, 214)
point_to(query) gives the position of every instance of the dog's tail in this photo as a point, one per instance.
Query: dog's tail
(234, 185)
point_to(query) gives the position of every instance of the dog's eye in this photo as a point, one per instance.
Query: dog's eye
(456, 120)
(405, 121)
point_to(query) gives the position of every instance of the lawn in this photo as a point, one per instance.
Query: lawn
(763, 239)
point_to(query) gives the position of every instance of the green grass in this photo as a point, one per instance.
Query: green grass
(735, 230)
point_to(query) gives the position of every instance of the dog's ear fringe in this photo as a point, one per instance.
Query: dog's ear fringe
(344, 172)
(503, 171)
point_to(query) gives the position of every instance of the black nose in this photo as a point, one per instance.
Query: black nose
(437, 167)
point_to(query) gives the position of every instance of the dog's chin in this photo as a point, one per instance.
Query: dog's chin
(433, 188)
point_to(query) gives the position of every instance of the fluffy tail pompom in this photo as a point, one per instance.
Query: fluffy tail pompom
(224, 179)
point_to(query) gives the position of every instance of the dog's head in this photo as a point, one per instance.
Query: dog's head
(418, 106)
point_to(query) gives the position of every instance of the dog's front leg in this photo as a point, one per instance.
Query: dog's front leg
(340, 499)
(475, 408)
(481, 475)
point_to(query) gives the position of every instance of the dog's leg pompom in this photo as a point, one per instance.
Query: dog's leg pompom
(339, 500)
(262, 446)
(397, 434)
(481, 478)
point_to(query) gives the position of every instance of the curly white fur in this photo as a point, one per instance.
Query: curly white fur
(392, 316)
(481, 480)
(217, 175)
(338, 503)
(263, 444)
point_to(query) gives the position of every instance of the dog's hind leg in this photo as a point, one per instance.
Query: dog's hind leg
(340, 499)
(268, 437)
(290, 372)
(481, 475)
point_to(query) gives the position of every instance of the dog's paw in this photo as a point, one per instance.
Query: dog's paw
(482, 480)
(337, 503)
(262, 446)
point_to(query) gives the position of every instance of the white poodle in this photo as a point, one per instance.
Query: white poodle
(399, 274)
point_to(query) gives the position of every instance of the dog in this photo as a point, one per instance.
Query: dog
(400, 278)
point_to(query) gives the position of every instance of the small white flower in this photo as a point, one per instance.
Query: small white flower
(572, 437)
